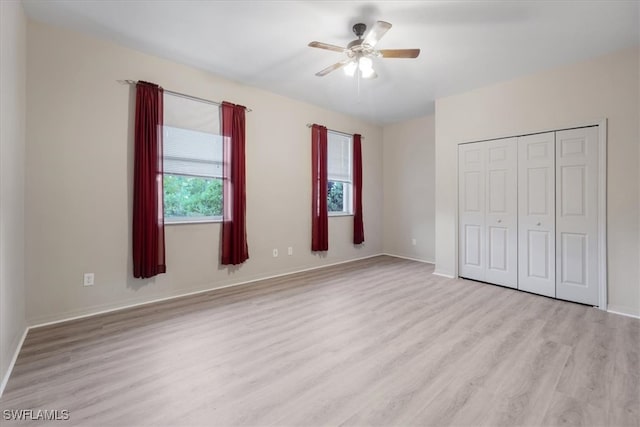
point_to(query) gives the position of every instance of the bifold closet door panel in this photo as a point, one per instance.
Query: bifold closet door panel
(471, 202)
(501, 212)
(577, 215)
(536, 214)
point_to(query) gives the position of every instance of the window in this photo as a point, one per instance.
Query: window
(339, 173)
(192, 153)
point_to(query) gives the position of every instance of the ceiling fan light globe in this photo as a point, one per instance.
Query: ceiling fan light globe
(350, 69)
(367, 73)
(365, 64)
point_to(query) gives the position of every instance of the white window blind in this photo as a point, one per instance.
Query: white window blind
(192, 144)
(339, 157)
(192, 153)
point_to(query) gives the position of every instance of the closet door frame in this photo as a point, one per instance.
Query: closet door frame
(602, 214)
(602, 203)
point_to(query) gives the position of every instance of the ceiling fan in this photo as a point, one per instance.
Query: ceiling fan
(360, 51)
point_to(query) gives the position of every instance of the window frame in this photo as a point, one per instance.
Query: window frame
(183, 220)
(347, 185)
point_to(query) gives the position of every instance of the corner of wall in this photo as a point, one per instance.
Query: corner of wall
(12, 160)
(408, 190)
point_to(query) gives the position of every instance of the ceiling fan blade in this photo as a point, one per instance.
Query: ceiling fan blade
(333, 67)
(375, 34)
(399, 53)
(327, 46)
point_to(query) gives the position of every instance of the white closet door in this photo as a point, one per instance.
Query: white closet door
(471, 167)
(501, 215)
(536, 214)
(577, 215)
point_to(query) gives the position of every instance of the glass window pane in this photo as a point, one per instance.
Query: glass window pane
(186, 196)
(335, 196)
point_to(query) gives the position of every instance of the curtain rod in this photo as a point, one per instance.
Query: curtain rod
(182, 95)
(336, 131)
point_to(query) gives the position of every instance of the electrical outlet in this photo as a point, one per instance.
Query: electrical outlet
(290, 250)
(88, 279)
(275, 253)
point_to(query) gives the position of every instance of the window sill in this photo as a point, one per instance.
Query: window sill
(340, 214)
(195, 221)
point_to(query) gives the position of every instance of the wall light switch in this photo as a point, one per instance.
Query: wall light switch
(290, 250)
(275, 253)
(413, 242)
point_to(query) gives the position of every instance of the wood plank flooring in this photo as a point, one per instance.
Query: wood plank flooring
(377, 342)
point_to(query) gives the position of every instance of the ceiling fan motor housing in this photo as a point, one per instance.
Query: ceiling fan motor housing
(358, 46)
(359, 29)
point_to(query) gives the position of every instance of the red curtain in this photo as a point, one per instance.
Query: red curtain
(320, 216)
(234, 248)
(358, 226)
(148, 215)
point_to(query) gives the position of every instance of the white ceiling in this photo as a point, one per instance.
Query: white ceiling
(465, 44)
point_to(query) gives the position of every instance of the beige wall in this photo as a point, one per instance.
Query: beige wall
(79, 168)
(409, 181)
(12, 146)
(605, 87)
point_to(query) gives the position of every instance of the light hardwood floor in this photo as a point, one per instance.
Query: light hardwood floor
(375, 342)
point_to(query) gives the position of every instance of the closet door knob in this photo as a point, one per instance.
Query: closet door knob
(499, 221)
(538, 224)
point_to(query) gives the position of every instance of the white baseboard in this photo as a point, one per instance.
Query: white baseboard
(153, 301)
(621, 313)
(409, 258)
(438, 273)
(5, 379)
